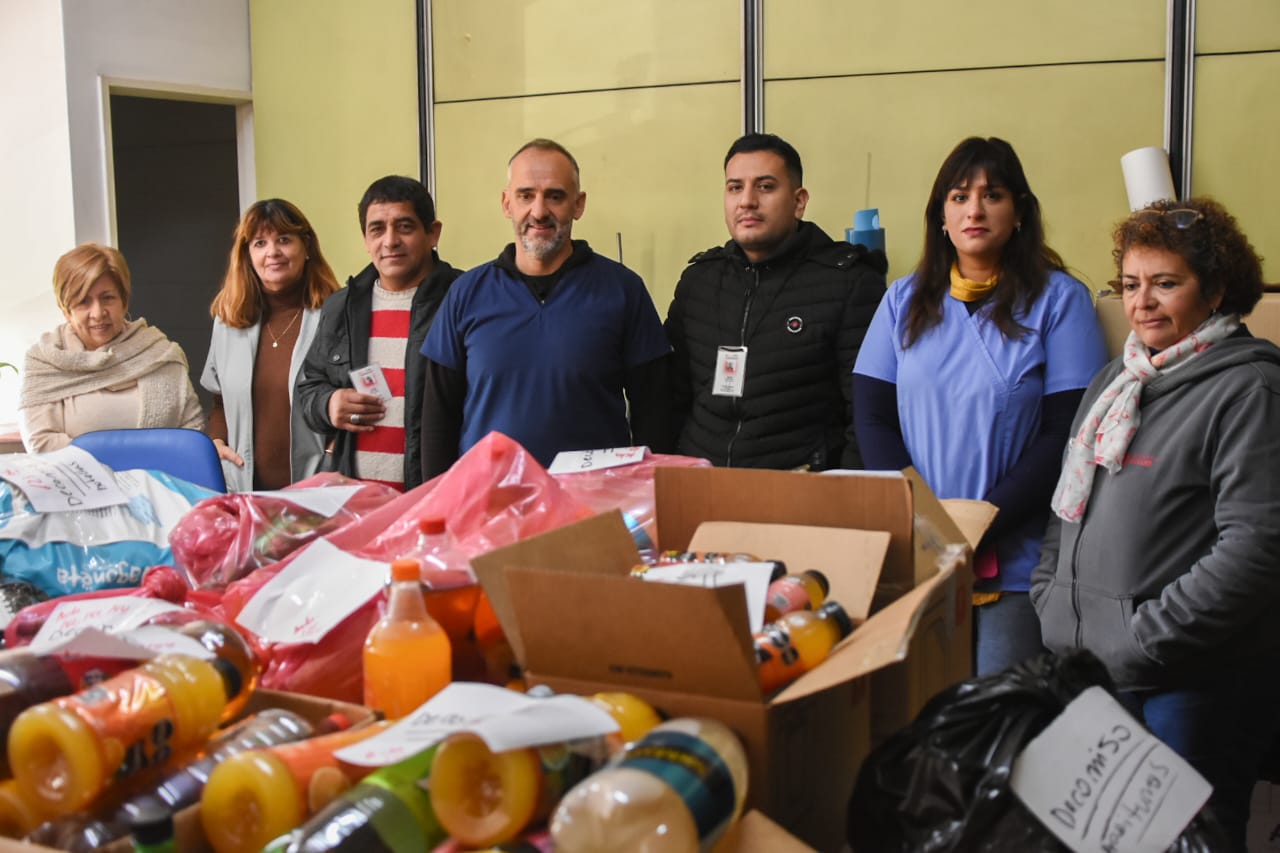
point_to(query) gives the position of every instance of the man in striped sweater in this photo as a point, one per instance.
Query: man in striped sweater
(380, 318)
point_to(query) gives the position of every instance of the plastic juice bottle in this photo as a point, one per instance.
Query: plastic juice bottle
(256, 796)
(635, 716)
(66, 752)
(484, 798)
(796, 643)
(182, 787)
(229, 645)
(677, 789)
(407, 657)
(152, 830)
(805, 591)
(18, 814)
(28, 678)
(389, 812)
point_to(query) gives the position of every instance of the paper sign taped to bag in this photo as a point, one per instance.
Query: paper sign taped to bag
(64, 480)
(578, 461)
(143, 643)
(321, 586)
(503, 719)
(753, 576)
(111, 615)
(322, 501)
(1102, 783)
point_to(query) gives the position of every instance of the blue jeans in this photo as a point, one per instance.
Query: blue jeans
(1005, 632)
(1223, 730)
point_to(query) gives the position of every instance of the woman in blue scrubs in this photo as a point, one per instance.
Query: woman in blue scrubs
(972, 370)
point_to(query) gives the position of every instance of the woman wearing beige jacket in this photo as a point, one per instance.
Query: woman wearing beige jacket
(99, 370)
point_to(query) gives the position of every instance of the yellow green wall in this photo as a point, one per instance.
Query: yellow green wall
(647, 96)
(335, 94)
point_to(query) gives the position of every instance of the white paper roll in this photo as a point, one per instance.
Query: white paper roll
(1146, 176)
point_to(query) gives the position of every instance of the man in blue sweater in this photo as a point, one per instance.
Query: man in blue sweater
(542, 343)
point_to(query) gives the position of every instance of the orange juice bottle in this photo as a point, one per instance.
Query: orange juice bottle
(805, 591)
(796, 643)
(254, 796)
(483, 798)
(407, 658)
(65, 752)
(635, 717)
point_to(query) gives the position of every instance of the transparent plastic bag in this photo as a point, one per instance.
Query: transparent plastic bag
(225, 537)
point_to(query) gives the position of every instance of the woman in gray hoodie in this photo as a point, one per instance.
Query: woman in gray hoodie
(1163, 558)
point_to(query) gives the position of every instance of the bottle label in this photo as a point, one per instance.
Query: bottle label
(131, 712)
(694, 770)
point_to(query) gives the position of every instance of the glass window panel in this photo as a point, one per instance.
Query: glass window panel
(501, 48)
(1234, 156)
(325, 129)
(651, 167)
(1237, 25)
(1069, 140)
(805, 38)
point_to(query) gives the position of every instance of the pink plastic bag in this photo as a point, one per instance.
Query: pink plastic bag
(496, 494)
(628, 488)
(223, 538)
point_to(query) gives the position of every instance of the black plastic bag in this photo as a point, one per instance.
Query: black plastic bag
(942, 784)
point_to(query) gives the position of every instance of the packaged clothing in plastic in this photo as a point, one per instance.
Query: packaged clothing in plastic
(225, 537)
(75, 551)
(628, 488)
(942, 784)
(496, 494)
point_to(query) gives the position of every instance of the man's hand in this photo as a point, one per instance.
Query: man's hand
(353, 411)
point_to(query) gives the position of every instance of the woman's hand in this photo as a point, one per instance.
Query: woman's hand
(225, 452)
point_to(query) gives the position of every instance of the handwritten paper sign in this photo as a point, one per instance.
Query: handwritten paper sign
(321, 500)
(112, 615)
(140, 644)
(503, 719)
(321, 586)
(63, 480)
(1102, 783)
(754, 576)
(577, 461)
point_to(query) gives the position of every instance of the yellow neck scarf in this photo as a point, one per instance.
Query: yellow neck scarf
(970, 291)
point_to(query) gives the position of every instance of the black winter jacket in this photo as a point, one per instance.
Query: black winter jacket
(802, 315)
(341, 345)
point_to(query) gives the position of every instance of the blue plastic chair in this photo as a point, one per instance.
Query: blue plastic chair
(184, 453)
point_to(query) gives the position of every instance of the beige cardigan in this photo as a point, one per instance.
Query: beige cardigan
(138, 380)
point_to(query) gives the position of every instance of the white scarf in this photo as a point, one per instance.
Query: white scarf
(58, 366)
(1114, 418)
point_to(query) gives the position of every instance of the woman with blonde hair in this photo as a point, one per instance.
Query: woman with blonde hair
(265, 316)
(99, 369)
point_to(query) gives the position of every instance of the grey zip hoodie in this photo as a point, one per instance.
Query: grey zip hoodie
(1174, 571)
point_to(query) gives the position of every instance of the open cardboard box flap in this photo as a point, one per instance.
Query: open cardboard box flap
(611, 628)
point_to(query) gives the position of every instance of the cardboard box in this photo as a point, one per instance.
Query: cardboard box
(580, 624)
(187, 830)
(1263, 322)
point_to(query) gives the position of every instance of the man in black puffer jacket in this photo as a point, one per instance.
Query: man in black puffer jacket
(766, 328)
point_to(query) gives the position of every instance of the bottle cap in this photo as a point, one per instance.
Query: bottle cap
(231, 680)
(820, 579)
(151, 823)
(405, 570)
(431, 526)
(779, 570)
(335, 722)
(833, 611)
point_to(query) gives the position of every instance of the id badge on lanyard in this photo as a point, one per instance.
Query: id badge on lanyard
(731, 372)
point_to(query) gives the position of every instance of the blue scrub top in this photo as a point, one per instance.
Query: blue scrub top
(969, 399)
(549, 375)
